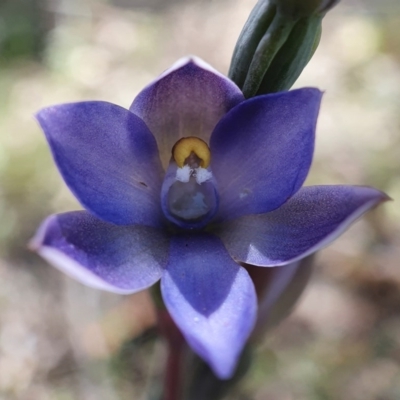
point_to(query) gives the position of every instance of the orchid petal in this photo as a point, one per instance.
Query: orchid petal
(108, 158)
(281, 289)
(309, 221)
(262, 151)
(186, 100)
(211, 299)
(115, 258)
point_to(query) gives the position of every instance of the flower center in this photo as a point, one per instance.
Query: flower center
(191, 151)
(190, 201)
(189, 197)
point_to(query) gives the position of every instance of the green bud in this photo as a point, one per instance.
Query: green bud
(253, 31)
(293, 56)
(303, 8)
(276, 43)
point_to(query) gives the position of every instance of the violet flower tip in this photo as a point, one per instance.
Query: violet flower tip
(33, 245)
(380, 196)
(384, 197)
(313, 91)
(36, 243)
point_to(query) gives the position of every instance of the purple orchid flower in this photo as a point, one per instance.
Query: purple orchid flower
(230, 194)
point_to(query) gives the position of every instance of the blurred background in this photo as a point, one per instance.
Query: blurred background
(60, 340)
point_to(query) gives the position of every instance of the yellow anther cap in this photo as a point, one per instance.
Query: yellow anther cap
(184, 147)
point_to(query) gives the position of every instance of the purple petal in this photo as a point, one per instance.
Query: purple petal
(310, 220)
(211, 299)
(186, 100)
(108, 158)
(282, 289)
(262, 151)
(115, 258)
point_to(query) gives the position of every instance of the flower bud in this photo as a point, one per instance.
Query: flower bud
(303, 8)
(276, 43)
(293, 56)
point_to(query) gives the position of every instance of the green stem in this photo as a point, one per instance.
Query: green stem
(173, 378)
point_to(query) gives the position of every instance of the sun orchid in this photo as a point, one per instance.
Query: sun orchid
(186, 186)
